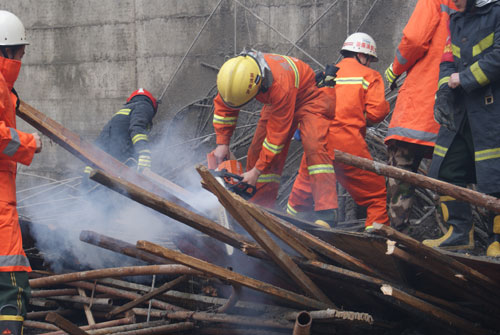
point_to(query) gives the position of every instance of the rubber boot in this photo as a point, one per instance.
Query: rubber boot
(11, 324)
(460, 234)
(326, 218)
(494, 246)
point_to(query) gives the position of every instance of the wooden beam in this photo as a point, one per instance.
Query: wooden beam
(89, 153)
(178, 213)
(274, 223)
(230, 276)
(414, 246)
(241, 215)
(441, 187)
(467, 288)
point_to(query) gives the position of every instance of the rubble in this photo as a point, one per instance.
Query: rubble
(308, 279)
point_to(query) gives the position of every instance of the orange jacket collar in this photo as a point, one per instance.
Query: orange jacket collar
(10, 70)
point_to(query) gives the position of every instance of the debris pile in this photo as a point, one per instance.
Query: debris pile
(285, 274)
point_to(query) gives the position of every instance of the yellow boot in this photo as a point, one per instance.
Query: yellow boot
(494, 247)
(325, 218)
(460, 234)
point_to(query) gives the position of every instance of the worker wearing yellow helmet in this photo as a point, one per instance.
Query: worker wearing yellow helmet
(287, 88)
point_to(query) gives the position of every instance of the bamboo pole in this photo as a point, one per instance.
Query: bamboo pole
(165, 287)
(168, 269)
(441, 187)
(230, 276)
(100, 325)
(231, 319)
(123, 294)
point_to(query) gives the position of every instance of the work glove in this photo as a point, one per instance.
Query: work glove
(391, 77)
(444, 107)
(327, 78)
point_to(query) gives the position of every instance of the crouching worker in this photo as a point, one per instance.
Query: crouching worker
(125, 136)
(287, 88)
(467, 106)
(15, 147)
(360, 102)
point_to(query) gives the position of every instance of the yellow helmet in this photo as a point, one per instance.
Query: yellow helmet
(239, 80)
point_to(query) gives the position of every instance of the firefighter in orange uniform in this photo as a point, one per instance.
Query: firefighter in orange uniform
(287, 88)
(15, 147)
(360, 102)
(413, 131)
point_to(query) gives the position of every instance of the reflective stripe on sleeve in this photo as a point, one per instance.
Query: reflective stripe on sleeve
(478, 73)
(123, 111)
(443, 81)
(14, 143)
(275, 149)
(320, 168)
(139, 137)
(269, 178)
(400, 58)
(295, 70)
(229, 120)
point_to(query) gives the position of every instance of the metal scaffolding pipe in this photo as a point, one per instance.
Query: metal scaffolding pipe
(302, 324)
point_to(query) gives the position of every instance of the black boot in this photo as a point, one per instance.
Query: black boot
(460, 234)
(11, 324)
(326, 218)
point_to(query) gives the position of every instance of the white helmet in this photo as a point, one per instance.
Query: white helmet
(361, 43)
(12, 30)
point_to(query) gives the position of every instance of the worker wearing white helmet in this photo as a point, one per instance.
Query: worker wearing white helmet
(15, 147)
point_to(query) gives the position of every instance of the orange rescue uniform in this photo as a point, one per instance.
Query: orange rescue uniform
(419, 54)
(360, 97)
(15, 147)
(292, 100)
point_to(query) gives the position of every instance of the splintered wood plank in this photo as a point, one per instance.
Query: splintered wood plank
(178, 213)
(230, 276)
(282, 259)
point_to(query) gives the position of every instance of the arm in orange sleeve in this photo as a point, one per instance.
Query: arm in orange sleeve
(417, 35)
(224, 121)
(16, 145)
(376, 107)
(278, 126)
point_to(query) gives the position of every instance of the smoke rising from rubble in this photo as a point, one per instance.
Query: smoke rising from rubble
(57, 225)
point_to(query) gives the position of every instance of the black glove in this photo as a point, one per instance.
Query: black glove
(444, 108)
(327, 78)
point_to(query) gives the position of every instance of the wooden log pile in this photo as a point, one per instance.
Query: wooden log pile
(285, 276)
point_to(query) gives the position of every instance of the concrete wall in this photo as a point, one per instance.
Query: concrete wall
(87, 56)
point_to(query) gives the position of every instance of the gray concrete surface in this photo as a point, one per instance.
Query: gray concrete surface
(87, 56)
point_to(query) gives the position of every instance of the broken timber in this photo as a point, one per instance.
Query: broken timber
(258, 233)
(441, 187)
(230, 276)
(90, 154)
